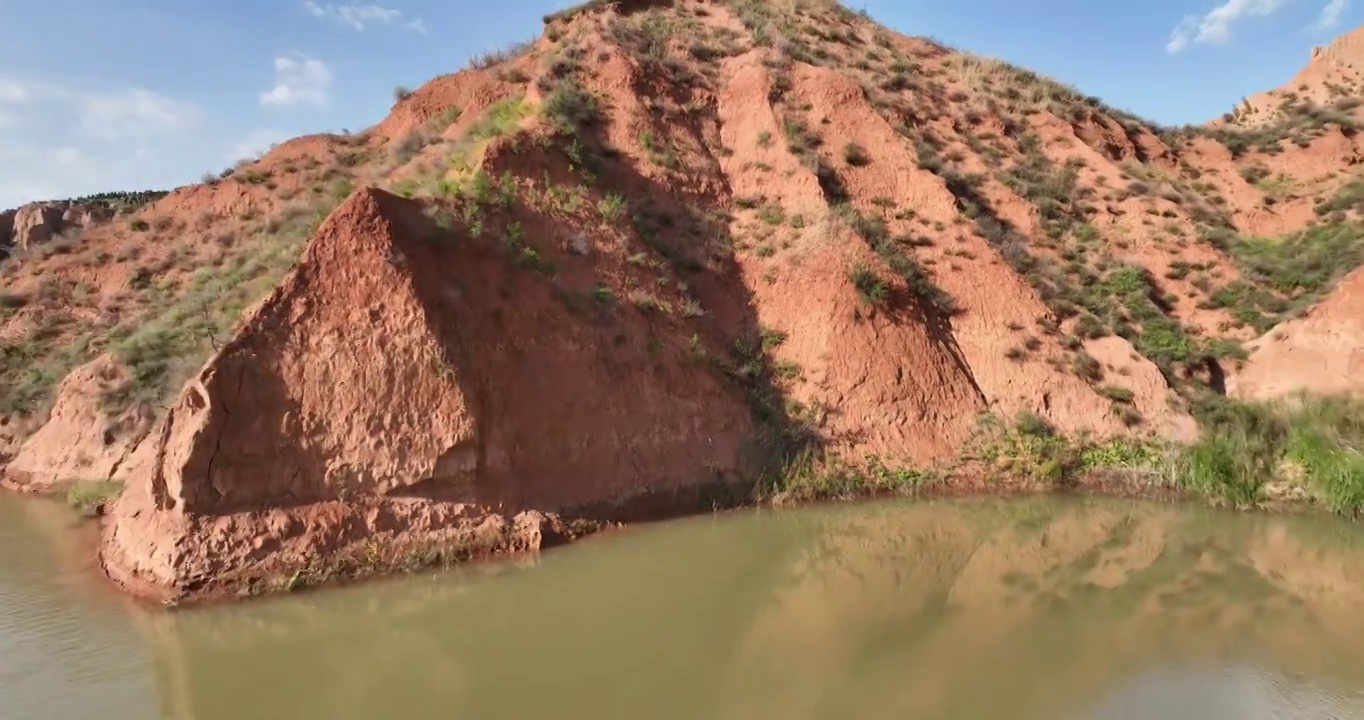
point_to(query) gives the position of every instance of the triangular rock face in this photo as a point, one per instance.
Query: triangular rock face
(398, 382)
(337, 385)
(1319, 353)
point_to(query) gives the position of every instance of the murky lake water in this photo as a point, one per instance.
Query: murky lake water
(1039, 608)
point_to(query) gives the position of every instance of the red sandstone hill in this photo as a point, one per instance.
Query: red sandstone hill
(650, 254)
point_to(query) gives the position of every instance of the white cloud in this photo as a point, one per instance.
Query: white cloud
(32, 173)
(13, 97)
(13, 93)
(1215, 27)
(32, 170)
(56, 140)
(16, 92)
(299, 81)
(256, 143)
(18, 99)
(1179, 37)
(136, 112)
(1331, 14)
(361, 16)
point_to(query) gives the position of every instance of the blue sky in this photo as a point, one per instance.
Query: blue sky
(131, 94)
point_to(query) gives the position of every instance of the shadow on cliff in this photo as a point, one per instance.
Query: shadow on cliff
(607, 364)
(603, 407)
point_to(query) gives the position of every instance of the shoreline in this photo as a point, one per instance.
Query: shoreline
(414, 555)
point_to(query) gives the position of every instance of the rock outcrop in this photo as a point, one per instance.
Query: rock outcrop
(34, 224)
(6, 230)
(37, 223)
(86, 215)
(386, 390)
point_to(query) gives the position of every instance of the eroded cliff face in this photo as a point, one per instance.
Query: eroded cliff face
(397, 390)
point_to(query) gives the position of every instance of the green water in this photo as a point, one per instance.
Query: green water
(1027, 609)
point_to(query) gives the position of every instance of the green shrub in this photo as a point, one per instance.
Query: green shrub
(612, 206)
(1117, 394)
(1087, 367)
(1326, 440)
(1226, 466)
(1349, 197)
(855, 155)
(499, 119)
(492, 58)
(88, 495)
(570, 106)
(772, 213)
(870, 287)
(1034, 425)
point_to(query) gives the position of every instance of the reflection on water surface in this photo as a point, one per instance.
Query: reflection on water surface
(1038, 608)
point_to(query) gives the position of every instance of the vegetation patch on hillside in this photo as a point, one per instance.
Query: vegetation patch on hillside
(161, 349)
(1280, 276)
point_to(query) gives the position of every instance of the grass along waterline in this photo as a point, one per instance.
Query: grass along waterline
(1301, 450)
